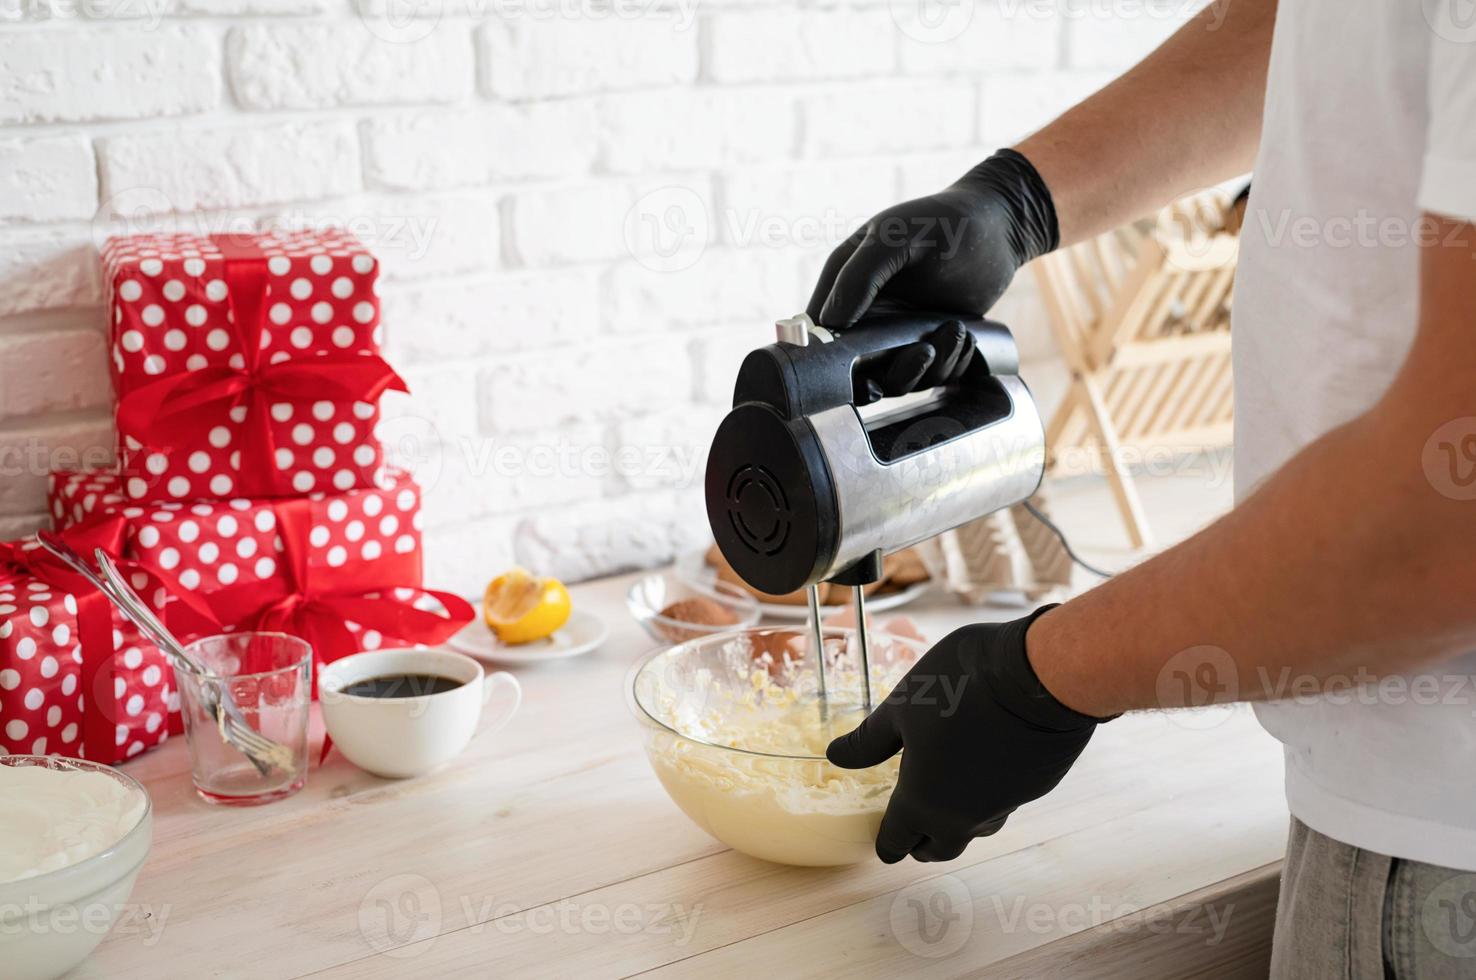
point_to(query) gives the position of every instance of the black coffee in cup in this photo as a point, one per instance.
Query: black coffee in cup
(401, 686)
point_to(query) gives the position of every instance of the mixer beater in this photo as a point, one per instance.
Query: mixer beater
(806, 482)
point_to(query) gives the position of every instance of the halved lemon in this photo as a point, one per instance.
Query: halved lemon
(521, 608)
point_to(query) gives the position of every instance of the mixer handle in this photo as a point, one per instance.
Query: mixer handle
(799, 380)
(886, 330)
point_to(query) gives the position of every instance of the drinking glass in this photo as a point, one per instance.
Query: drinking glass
(269, 677)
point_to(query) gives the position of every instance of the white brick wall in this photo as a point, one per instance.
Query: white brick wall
(233, 166)
(48, 178)
(54, 370)
(891, 117)
(786, 44)
(426, 150)
(533, 57)
(107, 73)
(315, 66)
(587, 211)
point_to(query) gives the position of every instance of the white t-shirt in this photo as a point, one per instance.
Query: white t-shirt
(1370, 120)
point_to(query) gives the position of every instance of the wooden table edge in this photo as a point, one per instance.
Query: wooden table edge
(1175, 939)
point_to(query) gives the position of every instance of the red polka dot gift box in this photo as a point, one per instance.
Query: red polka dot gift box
(76, 678)
(245, 365)
(343, 570)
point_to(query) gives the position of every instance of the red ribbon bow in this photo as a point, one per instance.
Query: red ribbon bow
(303, 604)
(21, 560)
(179, 410)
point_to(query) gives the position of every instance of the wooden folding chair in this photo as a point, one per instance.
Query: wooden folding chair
(1142, 317)
(1007, 552)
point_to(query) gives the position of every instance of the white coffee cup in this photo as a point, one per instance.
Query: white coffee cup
(406, 736)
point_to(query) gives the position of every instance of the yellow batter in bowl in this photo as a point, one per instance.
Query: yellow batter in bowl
(735, 731)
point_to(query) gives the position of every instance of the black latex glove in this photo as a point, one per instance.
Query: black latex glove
(956, 250)
(940, 359)
(981, 736)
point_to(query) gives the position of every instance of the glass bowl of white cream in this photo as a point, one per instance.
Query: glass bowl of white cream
(735, 727)
(73, 837)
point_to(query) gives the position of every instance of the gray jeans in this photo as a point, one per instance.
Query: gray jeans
(1351, 914)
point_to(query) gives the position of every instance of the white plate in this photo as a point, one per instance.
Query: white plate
(583, 633)
(693, 567)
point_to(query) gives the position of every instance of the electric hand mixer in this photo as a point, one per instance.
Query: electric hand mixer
(804, 487)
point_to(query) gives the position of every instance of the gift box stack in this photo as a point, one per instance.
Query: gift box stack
(250, 491)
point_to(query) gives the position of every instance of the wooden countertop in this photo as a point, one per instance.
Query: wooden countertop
(550, 848)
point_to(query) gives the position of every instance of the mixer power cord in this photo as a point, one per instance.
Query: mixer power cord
(1061, 536)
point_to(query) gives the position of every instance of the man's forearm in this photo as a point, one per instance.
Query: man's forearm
(1337, 567)
(1353, 561)
(1186, 117)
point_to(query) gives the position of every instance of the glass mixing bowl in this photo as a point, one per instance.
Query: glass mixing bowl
(736, 730)
(50, 922)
